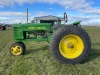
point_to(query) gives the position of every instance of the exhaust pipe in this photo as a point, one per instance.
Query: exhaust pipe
(27, 15)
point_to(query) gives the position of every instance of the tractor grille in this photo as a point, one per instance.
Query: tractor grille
(15, 31)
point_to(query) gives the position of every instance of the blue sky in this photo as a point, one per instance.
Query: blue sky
(14, 11)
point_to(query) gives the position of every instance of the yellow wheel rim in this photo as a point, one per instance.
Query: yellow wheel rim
(16, 50)
(71, 46)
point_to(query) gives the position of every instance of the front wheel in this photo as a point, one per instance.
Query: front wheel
(70, 44)
(17, 49)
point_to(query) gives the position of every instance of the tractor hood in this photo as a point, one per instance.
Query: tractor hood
(29, 24)
(32, 26)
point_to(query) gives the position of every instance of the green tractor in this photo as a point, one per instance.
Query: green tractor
(68, 43)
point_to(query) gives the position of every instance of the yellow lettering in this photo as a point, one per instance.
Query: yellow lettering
(31, 28)
(39, 28)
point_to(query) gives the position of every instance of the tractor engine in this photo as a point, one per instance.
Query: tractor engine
(33, 31)
(35, 34)
(39, 32)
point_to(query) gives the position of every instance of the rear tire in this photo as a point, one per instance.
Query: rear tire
(70, 44)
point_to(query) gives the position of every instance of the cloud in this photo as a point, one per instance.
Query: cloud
(92, 11)
(83, 6)
(80, 5)
(15, 14)
(12, 20)
(33, 1)
(38, 14)
(6, 3)
(75, 4)
(13, 17)
(9, 20)
(86, 20)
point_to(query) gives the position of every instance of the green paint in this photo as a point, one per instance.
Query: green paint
(76, 23)
(29, 32)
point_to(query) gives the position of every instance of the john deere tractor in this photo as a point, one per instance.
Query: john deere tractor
(68, 43)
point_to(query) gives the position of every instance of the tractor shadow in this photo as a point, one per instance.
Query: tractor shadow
(36, 50)
(94, 53)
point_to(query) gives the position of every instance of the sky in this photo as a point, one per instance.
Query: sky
(14, 11)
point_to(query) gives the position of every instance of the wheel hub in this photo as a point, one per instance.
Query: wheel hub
(70, 45)
(16, 50)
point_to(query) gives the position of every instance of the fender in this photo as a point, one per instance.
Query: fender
(77, 23)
